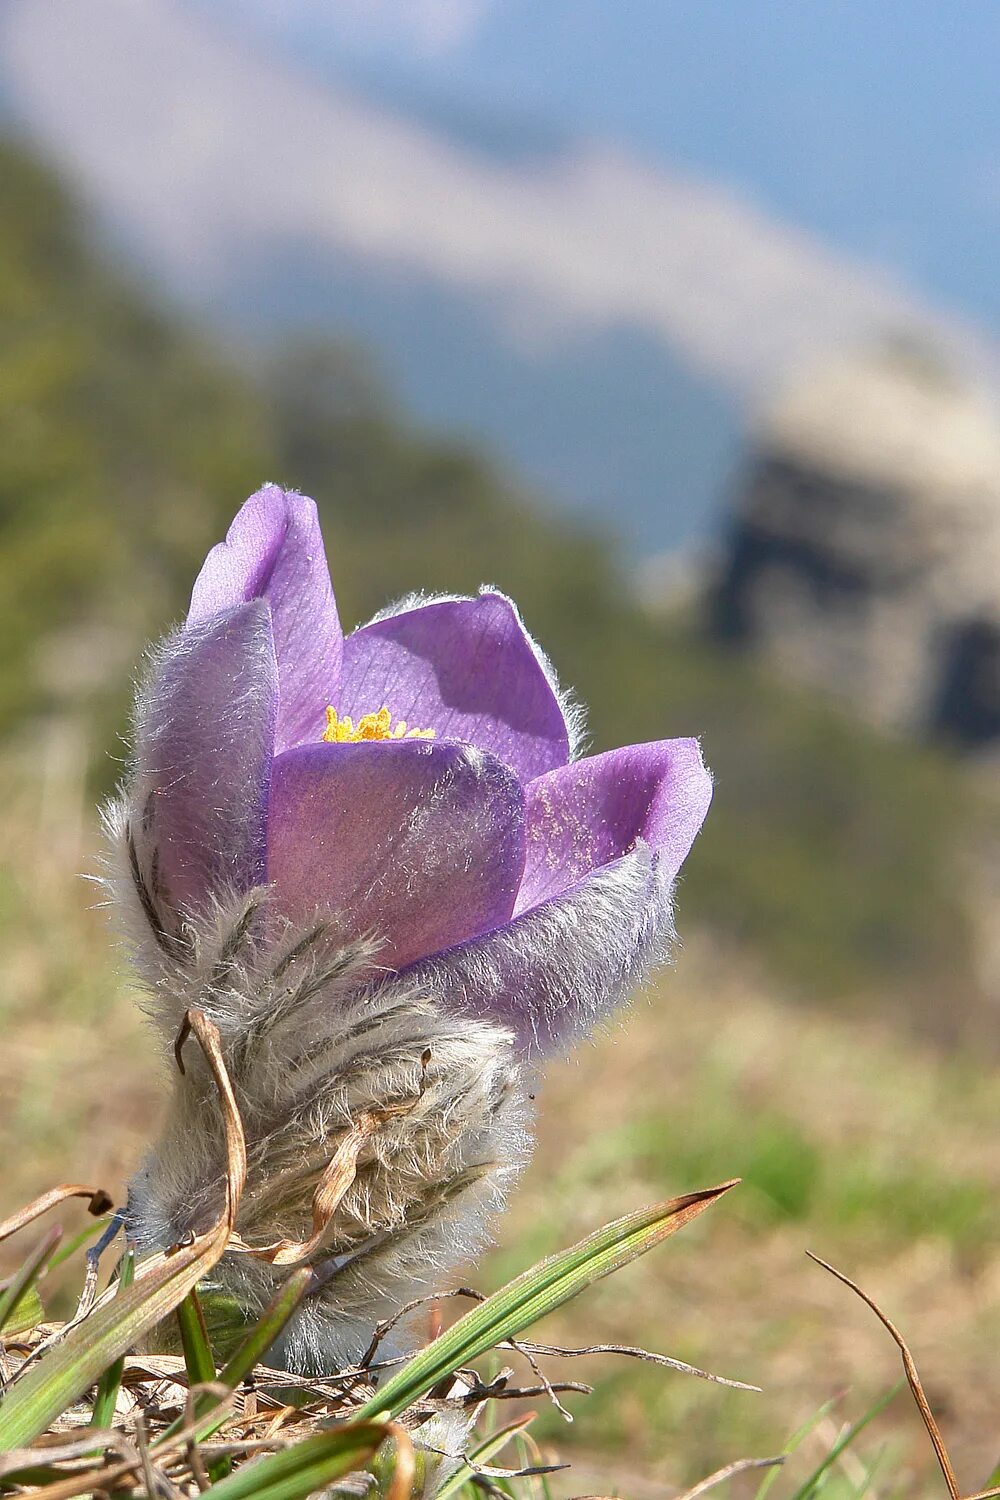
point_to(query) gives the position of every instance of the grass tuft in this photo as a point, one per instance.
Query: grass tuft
(175, 1425)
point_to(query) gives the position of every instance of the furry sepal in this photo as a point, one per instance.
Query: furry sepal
(422, 1115)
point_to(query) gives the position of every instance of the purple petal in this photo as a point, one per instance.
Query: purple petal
(204, 737)
(551, 973)
(465, 668)
(590, 813)
(274, 551)
(421, 843)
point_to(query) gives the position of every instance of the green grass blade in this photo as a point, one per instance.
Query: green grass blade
(22, 1283)
(253, 1349)
(110, 1382)
(535, 1293)
(305, 1467)
(797, 1437)
(77, 1241)
(808, 1488)
(29, 1312)
(198, 1359)
(869, 1479)
(266, 1329)
(481, 1455)
(65, 1372)
(544, 1486)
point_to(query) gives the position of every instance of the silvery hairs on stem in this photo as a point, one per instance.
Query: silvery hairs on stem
(333, 1067)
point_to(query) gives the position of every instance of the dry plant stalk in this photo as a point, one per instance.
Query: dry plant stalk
(915, 1384)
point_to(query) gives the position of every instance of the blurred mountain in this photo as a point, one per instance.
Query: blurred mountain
(864, 552)
(874, 127)
(598, 320)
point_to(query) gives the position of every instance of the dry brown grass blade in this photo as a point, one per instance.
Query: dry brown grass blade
(161, 1281)
(58, 1450)
(404, 1470)
(334, 1183)
(154, 1479)
(206, 1033)
(740, 1466)
(93, 1480)
(100, 1202)
(632, 1351)
(912, 1376)
(387, 1324)
(197, 1466)
(547, 1387)
(536, 1468)
(338, 1177)
(498, 1391)
(278, 1421)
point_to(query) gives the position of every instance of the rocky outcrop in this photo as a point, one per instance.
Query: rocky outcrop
(864, 552)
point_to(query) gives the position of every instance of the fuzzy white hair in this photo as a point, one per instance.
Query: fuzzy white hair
(316, 1038)
(610, 933)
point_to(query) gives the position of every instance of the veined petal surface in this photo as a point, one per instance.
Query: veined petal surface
(274, 551)
(585, 815)
(465, 668)
(420, 843)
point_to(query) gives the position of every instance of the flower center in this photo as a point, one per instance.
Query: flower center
(376, 726)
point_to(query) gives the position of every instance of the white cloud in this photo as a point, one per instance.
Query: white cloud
(211, 152)
(433, 27)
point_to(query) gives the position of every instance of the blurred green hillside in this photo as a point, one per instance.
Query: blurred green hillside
(841, 863)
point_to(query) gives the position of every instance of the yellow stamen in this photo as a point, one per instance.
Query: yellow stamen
(376, 726)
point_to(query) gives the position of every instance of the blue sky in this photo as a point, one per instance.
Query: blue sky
(874, 123)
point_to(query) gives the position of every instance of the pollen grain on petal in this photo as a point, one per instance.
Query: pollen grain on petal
(341, 730)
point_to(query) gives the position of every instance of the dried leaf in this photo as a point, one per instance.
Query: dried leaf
(912, 1377)
(99, 1203)
(43, 1390)
(740, 1466)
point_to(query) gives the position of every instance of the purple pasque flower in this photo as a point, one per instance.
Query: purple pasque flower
(533, 887)
(378, 865)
